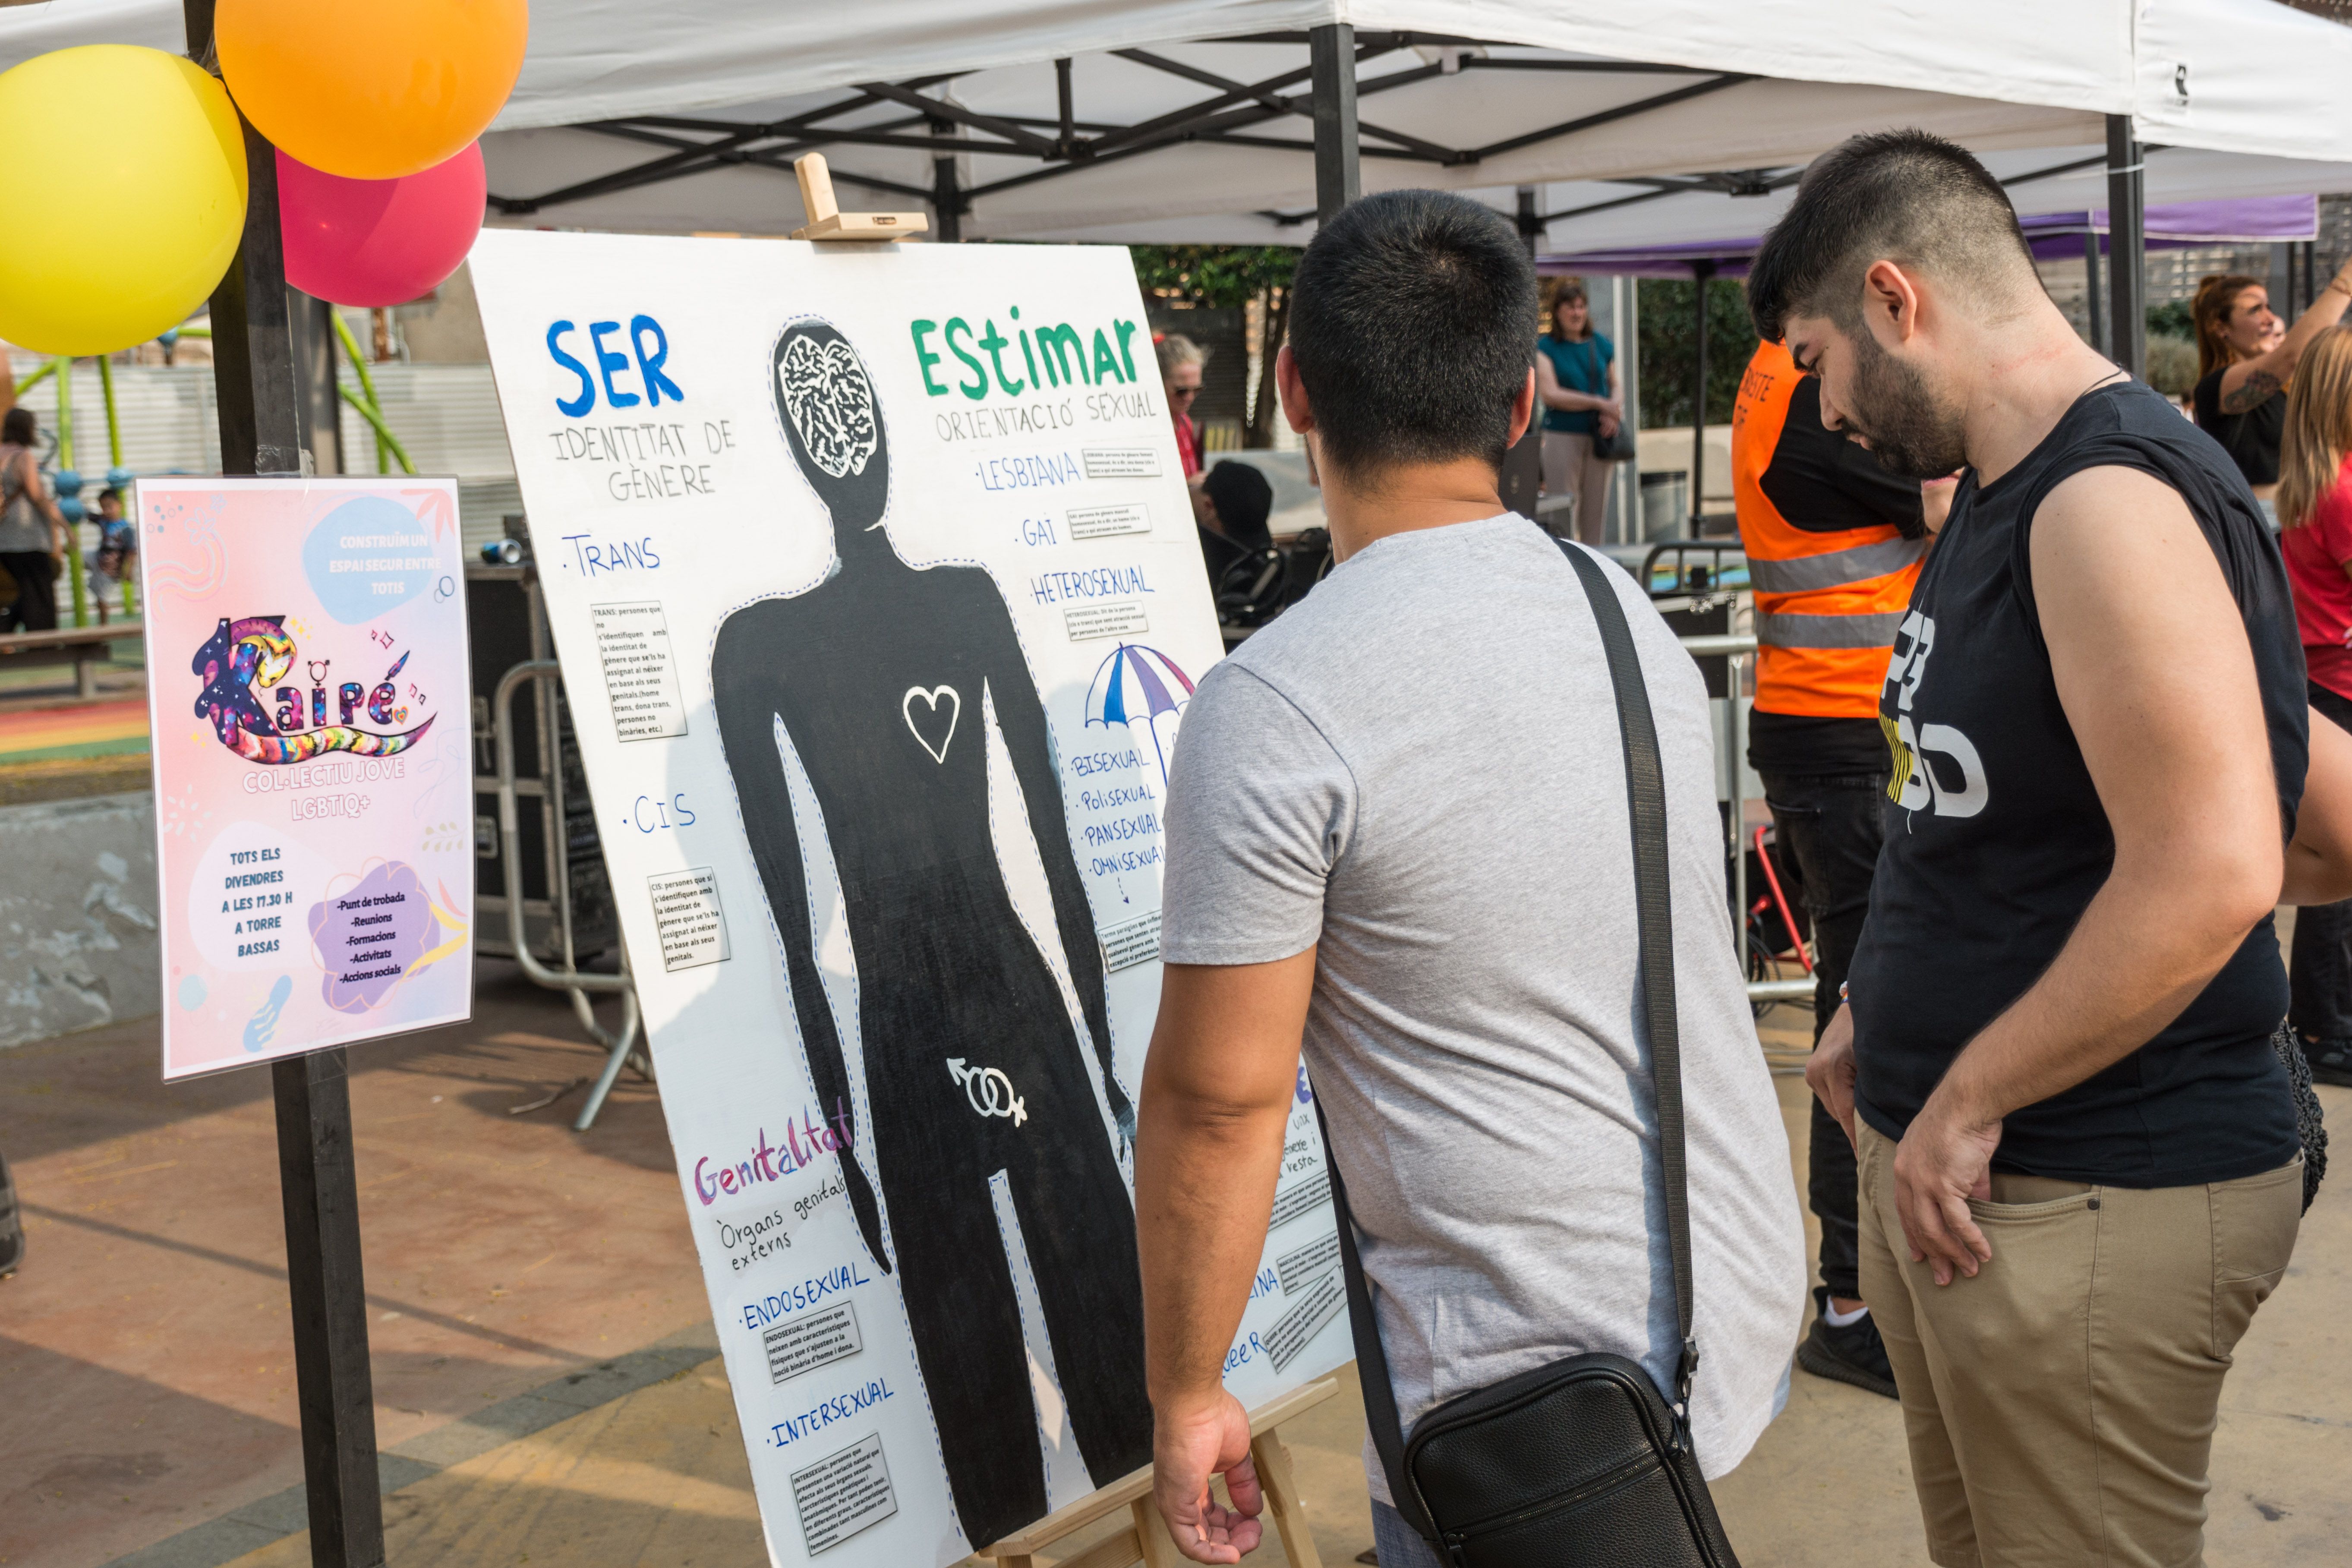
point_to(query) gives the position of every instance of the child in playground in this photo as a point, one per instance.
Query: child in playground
(116, 558)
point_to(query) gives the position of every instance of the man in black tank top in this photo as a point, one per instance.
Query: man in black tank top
(2079, 1165)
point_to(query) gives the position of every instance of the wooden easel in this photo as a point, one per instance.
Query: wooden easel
(827, 221)
(1147, 1540)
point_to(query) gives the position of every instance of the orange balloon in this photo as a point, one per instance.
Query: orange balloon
(371, 91)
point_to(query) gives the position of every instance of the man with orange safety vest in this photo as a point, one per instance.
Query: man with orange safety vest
(1833, 545)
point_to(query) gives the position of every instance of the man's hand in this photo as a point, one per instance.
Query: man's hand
(1218, 1088)
(1944, 1160)
(1830, 1073)
(1193, 1439)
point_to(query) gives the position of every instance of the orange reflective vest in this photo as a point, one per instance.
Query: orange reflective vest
(1828, 594)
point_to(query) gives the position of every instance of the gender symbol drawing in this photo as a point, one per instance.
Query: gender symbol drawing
(1138, 684)
(881, 680)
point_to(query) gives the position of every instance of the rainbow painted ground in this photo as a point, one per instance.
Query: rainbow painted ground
(85, 729)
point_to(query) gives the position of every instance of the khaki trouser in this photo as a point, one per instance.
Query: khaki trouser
(2060, 1405)
(1570, 468)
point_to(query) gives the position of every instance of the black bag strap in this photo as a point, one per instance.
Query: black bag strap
(1654, 911)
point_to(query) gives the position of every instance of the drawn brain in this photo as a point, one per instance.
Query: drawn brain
(830, 403)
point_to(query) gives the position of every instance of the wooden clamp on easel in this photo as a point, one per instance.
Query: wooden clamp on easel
(827, 221)
(1147, 1540)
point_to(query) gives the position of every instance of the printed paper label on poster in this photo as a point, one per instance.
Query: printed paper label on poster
(307, 696)
(879, 711)
(685, 915)
(632, 646)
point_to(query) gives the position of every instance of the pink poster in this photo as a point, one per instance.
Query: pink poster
(307, 683)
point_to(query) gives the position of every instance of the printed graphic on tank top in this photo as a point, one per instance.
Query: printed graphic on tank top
(2000, 841)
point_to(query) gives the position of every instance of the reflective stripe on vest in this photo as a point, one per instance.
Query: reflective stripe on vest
(1784, 630)
(1828, 603)
(1808, 573)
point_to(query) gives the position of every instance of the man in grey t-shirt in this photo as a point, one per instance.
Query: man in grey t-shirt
(1398, 828)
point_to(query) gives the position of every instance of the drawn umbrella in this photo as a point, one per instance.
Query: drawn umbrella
(1139, 685)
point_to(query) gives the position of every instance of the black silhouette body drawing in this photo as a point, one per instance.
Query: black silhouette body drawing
(879, 679)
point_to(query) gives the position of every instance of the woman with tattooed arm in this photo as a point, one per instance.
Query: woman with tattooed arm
(2244, 360)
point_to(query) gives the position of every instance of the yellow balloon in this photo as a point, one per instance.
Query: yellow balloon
(372, 92)
(126, 197)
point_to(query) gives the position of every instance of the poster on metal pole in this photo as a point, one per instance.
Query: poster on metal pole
(306, 678)
(879, 601)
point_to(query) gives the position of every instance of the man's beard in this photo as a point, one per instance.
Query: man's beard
(1910, 434)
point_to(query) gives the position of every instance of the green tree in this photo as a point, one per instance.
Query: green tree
(2171, 320)
(1670, 349)
(1222, 276)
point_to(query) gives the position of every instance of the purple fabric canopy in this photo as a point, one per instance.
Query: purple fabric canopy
(2252, 220)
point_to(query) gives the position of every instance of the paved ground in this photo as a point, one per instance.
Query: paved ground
(144, 1346)
(546, 1383)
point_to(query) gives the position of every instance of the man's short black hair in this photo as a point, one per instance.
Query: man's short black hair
(1899, 196)
(1412, 322)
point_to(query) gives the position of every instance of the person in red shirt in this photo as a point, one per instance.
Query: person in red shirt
(1180, 361)
(2314, 506)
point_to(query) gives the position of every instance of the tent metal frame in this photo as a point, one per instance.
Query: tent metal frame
(1338, 139)
(1230, 116)
(1235, 114)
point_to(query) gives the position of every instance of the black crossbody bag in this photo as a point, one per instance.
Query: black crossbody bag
(1583, 1463)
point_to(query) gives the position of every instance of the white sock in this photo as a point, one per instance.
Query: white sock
(1838, 1319)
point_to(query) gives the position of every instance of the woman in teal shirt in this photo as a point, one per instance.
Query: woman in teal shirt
(1576, 377)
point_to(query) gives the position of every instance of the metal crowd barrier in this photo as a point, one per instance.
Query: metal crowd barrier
(622, 1048)
(1738, 650)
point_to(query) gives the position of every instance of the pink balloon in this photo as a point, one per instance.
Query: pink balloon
(378, 242)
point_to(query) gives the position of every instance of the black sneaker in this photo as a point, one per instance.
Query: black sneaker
(1853, 1354)
(2331, 1060)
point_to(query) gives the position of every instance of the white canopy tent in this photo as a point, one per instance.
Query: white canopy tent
(1149, 127)
(1507, 117)
(754, 84)
(604, 60)
(1198, 120)
(1550, 99)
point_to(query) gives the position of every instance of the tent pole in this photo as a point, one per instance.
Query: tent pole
(1331, 55)
(1067, 141)
(947, 200)
(1625, 301)
(2095, 304)
(2126, 246)
(314, 345)
(259, 383)
(254, 367)
(1702, 273)
(1522, 472)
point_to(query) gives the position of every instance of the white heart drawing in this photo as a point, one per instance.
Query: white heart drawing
(931, 698)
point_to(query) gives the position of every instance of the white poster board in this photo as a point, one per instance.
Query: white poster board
(879, 600)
